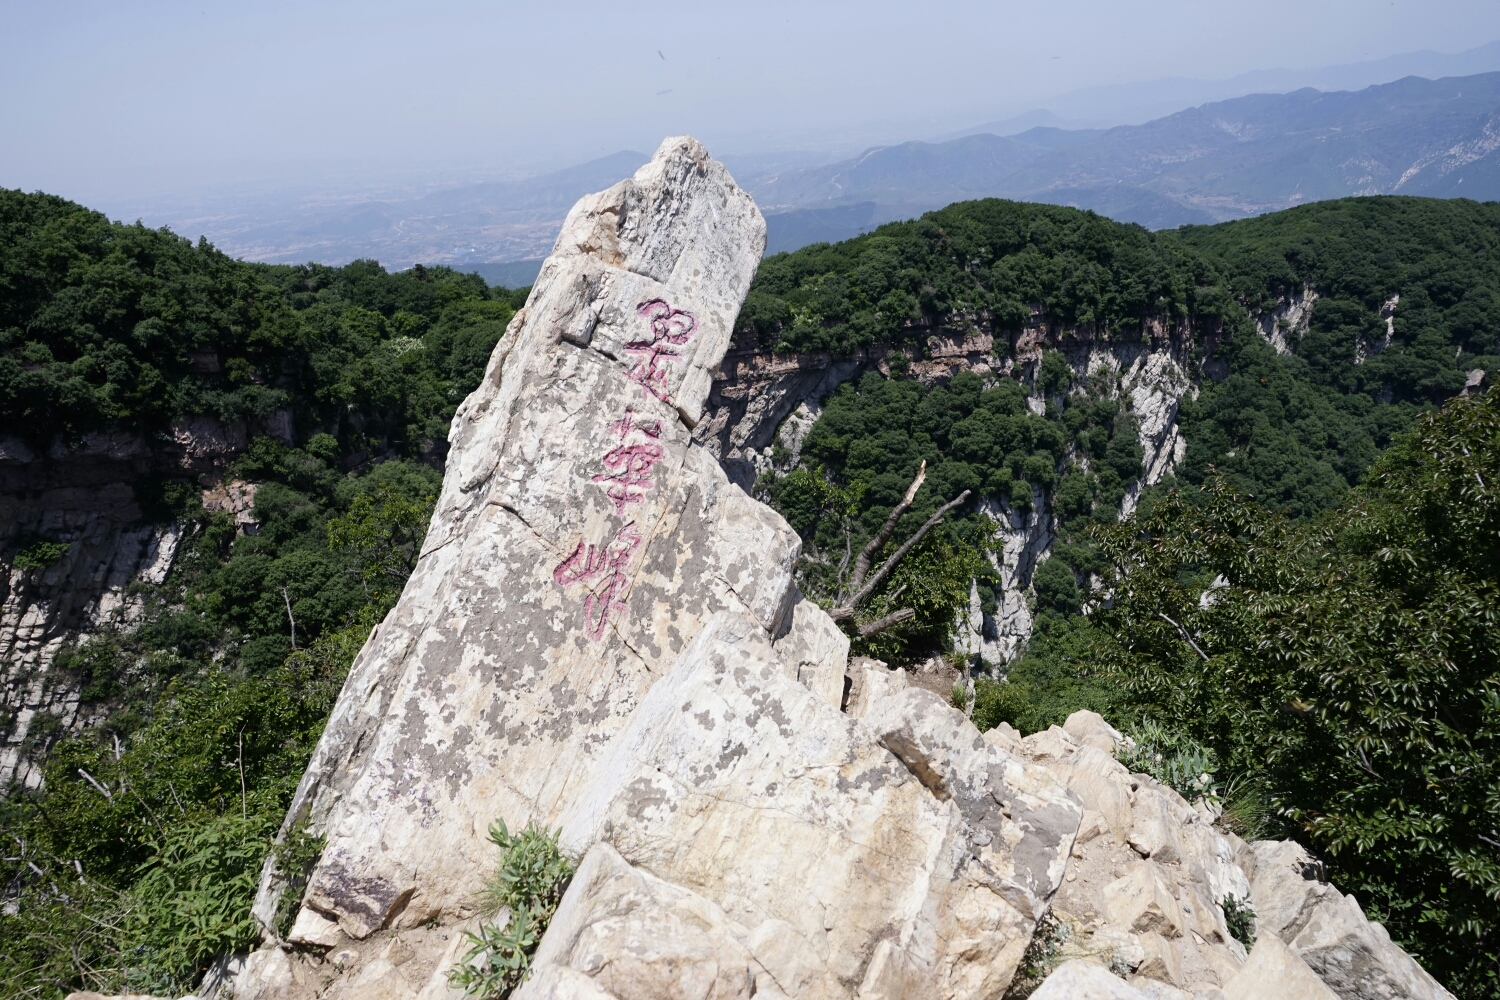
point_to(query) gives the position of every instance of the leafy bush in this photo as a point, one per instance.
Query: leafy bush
(39, 555)
(528, 885)
(1348, 672)
(1239, 916)
(1176, 760)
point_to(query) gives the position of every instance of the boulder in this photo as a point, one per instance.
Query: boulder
(1081, 980)
(873, 682)
(1089, 729)
(1354, 956)
(637, 937)
(1142, 902)
(815, 651)
(602, 635)
(1275, 972)
(579, 544)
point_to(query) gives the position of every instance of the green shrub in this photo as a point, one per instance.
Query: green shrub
(1239, 916)
(39, 555)
(1176, 760)
(528, 885)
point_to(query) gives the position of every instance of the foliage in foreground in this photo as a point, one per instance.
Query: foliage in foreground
(137, 879)
(1346, 673)
(528, 885)
(136, 866)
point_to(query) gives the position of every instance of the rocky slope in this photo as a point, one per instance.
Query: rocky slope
(602, 635)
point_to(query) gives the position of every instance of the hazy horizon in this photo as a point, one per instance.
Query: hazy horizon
(106, 103)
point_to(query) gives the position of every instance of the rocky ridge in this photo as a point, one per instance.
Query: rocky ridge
(602, 635)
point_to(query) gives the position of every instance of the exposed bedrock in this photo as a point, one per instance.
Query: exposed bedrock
(82, 497)
(602, 637)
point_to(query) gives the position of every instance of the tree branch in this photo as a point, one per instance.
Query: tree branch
(881, 624)
(97, 787)
(289, 617)
(862, 564)
(1184, 633)
(847, 611)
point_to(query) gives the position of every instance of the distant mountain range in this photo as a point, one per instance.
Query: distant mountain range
(1147, 100)
(1224, 160)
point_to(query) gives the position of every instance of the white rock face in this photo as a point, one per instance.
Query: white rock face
(602, 636)
(1284, 325)
(1144, 891)
(579, 544)
(1353, 955)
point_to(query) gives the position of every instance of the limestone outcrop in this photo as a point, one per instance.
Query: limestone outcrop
(602, 636)
(1144, 894)
(762, 405)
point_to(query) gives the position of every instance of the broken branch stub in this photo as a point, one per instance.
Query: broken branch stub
(862, 564)
(863, 594)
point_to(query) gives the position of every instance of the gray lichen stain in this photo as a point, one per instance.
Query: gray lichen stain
(871, 779)
(641, 796)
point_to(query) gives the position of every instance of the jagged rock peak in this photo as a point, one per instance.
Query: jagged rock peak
(602, 636)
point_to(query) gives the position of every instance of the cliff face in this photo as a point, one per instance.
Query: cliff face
(85, 497)
(760, 400)
(602, 636)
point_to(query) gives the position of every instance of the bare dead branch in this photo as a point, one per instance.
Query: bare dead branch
(885, 569)
(97, 787)
(881, 624)
(862, 564)
(289, 617)
(1184, 633)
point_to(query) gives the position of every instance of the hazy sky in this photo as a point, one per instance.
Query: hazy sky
(110, 100)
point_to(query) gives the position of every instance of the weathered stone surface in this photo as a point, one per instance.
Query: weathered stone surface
(1353, 955)
(1141, 901)
(815, 651)
(750, 790)
(875, 683)
(1090, 730)
(1080, 980)
(579, 544)
(637, 937)
(1275, 972)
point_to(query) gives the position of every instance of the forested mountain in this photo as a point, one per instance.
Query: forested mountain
(1220, 161)
(1310, 342)
(1287, 415)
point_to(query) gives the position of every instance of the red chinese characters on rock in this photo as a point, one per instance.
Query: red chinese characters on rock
(669, 329)
(590, 563)
(628, 467)
(627, 474)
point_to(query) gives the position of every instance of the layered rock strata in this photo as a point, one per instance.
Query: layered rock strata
(83, 497)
